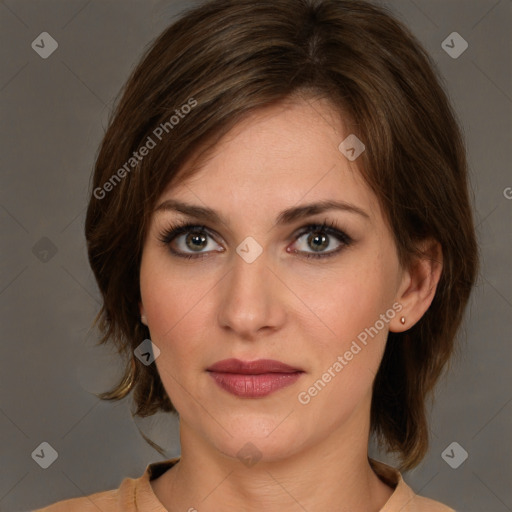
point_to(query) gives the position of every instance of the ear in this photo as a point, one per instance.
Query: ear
(142, 311)
(418, 285)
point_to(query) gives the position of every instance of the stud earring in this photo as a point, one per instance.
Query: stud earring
(402, 320)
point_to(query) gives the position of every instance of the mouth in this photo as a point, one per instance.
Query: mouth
(253, 379)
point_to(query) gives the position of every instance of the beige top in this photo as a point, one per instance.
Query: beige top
(136, 494)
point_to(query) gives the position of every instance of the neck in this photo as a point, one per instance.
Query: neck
(329, 474)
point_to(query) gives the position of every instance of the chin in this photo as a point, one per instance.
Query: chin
(267, 439)
(253, 450)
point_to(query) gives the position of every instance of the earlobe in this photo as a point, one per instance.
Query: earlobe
(419, 285)
(143, 318)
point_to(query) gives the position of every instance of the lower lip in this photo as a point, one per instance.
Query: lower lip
(254, 386)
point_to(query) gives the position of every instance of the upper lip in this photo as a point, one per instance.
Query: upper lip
(256, 367)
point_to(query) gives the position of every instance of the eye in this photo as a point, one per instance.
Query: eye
(195, 241)
(319, 237)
(188, 237)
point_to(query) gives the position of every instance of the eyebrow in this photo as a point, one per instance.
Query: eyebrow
(287, 216)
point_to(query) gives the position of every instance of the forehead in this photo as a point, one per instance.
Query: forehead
(277, 157)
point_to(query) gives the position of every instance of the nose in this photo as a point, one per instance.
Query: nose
(251, 298)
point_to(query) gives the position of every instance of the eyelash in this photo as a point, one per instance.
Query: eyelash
(331, 229)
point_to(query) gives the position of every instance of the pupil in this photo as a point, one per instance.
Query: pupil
(197, 240)
(315, 238)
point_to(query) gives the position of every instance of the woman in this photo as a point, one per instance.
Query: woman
(280, 204)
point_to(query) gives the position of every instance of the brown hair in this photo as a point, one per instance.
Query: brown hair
(226, 58)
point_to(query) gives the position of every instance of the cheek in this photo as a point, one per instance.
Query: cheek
(173, 310)
(342, 303)
(167, 295)
(177, 309)
(350, 308)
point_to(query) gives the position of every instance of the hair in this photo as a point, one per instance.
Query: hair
(228, 58)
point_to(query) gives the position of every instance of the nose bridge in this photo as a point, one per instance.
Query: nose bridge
(249, 301)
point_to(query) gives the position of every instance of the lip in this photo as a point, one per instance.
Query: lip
(253, 379)
(256, 367)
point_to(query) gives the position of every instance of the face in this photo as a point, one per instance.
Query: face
(262, 277)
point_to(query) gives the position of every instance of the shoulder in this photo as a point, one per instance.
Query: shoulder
(411, 502)
(133, 494)
(403, 497)
(423, 504)
(107, 501)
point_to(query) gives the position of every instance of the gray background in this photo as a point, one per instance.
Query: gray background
(54, 112)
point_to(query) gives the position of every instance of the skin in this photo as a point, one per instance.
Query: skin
(283, 306)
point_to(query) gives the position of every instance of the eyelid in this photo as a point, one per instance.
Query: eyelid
(331, 228)
(179, 228)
